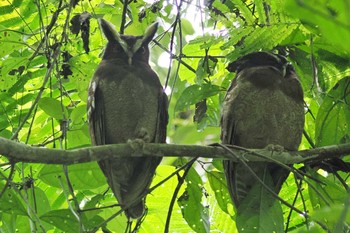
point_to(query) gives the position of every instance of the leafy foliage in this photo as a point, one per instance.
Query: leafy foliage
(45, 69)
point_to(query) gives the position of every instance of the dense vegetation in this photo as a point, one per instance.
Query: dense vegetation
(50, 49)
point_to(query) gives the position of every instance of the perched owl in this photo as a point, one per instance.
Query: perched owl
(126, 102)
(263, 106)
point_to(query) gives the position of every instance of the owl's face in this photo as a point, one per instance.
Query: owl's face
(130, 49)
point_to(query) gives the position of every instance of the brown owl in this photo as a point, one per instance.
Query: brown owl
(264, 105)
(126, 102)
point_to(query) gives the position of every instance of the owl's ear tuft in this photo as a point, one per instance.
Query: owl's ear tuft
(109, 30)
(149, 33)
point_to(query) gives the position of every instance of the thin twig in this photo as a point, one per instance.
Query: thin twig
(176, 191)
(262, 182)
(173, 56)
(38, 97)
(8, 180)
(72, 209)
(76, 211)
(271, 191)
(171, 175)
(37, 219)
(106, 221)
(122, 23)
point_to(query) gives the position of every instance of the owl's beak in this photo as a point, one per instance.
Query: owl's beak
(129, 61)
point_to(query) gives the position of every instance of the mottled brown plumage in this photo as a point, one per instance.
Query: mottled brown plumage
(263, 106)
(127, 102)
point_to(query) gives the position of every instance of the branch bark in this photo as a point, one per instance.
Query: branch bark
(19, 152)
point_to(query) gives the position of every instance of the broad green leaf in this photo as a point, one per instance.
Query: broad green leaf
(66, 221)
(260, 211)
(219, 220)
(329, 19)
(9, 41)
(83, 69)
(53, 108)
(332, 121)
(218, 184)
(190, 202)
(10, 71)
(325, 191)
(158, 204)
(9, 223)
(10, 202)
(82, 176)
(34, 195)
(78, 114)
(39, 203)
(195, 93)
(78, 138)
(62, 219)
(187, 27)
(330, 215)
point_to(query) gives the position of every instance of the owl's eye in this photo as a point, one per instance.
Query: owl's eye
(142, 50)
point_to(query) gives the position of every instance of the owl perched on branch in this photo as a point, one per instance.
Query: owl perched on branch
(127, 102)
(263, 106)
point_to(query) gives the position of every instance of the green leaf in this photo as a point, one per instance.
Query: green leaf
(10, 203)
(260, 211)
(39, 202)
(218, 184)
(78, 138)
(187, 27)
(244, 10)
(78, 114)
(82, 176)
(330, 215)
(158, 204)
(332, 121)
(53, 108)
(194, 94)
(9, 223)
(325, 191)
(9, 71)
(9, 41)
(83, 69)
(62, 219)
(268, 37)
(195, 214)
(328, 19)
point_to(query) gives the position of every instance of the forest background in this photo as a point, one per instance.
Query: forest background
(49, 51)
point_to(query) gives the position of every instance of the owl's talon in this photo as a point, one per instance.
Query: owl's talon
(274, 147)
(143, 135)
(137, 145)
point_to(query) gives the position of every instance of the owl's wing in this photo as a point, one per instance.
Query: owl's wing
(228, 136)
(95, 114)
(162, 119)
(227, 121)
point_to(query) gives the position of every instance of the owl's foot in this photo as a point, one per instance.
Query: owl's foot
(137, 145)
(143, 134)
(273, 147)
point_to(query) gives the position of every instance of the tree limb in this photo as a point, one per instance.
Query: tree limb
(19, 152)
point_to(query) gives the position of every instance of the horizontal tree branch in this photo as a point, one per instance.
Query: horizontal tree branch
(19, 152)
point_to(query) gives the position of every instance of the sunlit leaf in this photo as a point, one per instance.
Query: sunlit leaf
(82, 176)
(190, 201)
(194, 94)
(53, 108)
(332, 122)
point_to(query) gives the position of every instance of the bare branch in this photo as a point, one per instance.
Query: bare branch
(19, 152)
